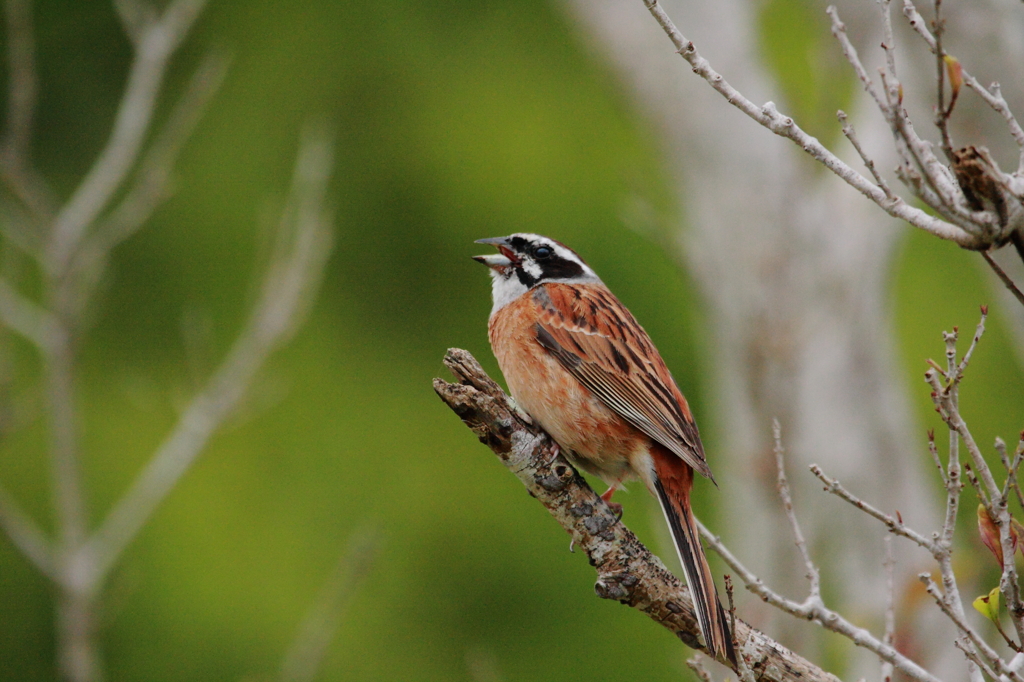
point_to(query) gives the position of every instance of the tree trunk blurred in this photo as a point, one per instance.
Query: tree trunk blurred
(793, 265)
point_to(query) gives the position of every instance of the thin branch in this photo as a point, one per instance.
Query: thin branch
(1013, 468)
(889, 637)
(291, 280)
(994, 98)
(850, 52)
(991, 658)
(964, 645)
(895, 94)
(135, 15)
(819, 613)
(782, 483)
(851, 135)
(784, 126)
(151, 186)
(942, 113)
(22, 84)
(26, 535)
(894, 525)
(25, 317)
(1003, 277)
(934, 452)
(306, 654)
(15, 149)
(157, 42)
(979, 331)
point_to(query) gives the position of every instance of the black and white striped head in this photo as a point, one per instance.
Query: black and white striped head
(526, 260)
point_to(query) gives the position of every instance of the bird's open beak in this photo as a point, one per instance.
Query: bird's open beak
(497, 261)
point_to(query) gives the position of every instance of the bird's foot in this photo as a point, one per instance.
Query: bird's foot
(614, 506)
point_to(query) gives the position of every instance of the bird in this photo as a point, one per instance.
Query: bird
(577, 361)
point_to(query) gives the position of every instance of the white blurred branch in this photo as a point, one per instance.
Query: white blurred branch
(73, 250)
(26, 535)
(291, 280)
(155, 43)
(22, 91)
(23, 316)
(306, 654)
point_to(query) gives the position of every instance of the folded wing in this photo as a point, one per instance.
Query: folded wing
(599, 342)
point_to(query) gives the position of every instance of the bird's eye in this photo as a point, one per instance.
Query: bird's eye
(542, 252)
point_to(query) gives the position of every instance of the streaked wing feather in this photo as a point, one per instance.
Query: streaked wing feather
(599, 342)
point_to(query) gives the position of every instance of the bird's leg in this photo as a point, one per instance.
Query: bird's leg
(607, 497)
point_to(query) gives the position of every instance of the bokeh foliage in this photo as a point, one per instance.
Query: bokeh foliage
(455, 121)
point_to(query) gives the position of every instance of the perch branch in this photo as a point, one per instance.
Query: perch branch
(627, 571)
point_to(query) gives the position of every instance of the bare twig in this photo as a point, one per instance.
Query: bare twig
(155, 169)
(23, 88)
(156, 42)
(894, 525)
(26, 535)
(942, 113)
(21, 315)
(958, 372)
(306, 654)
(851, 135)
(15, 163)
(993, 98)
(291, 280)
(1013, 466)
(850, 52)
(769, 117)
(934, 452)
(151, 186)
(1003, 277)
(813, 575)
(819, 613)
(889, 637)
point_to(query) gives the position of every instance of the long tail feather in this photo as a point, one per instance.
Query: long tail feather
(673, 492)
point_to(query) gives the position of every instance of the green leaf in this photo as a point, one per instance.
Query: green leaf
(988, 605)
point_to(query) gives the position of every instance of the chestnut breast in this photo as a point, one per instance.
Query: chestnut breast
(596, 437)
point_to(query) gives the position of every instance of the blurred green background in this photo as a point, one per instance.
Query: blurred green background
(455, 121)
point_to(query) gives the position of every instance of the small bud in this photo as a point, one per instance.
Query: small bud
(899, 517)
(988, 605)
(956, 76)
(899, 93)
(984, 310)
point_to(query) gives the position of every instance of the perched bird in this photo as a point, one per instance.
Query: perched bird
(577, 361)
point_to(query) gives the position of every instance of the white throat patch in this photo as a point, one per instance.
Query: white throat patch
(505, 289)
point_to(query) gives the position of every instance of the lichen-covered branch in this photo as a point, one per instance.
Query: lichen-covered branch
(626, 570)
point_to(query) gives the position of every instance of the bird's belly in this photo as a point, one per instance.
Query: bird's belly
(590, 434)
